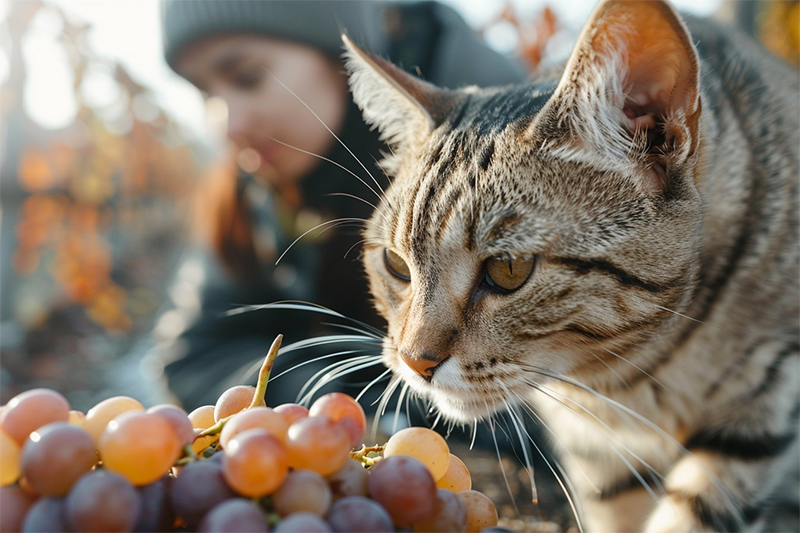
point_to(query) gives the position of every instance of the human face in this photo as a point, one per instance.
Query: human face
(249, 73)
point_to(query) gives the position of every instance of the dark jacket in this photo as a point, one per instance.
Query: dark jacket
(204, 351)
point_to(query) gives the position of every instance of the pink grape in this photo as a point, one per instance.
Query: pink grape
(56, 456)
(30, 410)
(345, 410)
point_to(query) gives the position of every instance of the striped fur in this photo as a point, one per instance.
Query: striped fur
(658, 334)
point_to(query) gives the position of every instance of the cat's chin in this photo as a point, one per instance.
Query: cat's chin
(464, 412)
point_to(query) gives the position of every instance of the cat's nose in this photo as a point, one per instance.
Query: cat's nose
(424, 365)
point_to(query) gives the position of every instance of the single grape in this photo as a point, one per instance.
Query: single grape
(56, 456)
(424, 445)
(350, 480)
(302, 491)
(156, 513)
(203, 418)
(104, 412)
(457, 477)
(10, 459)
(481, 512)
(319, 444)
(303, 523)
(77, 418)
(14, 503)
(450, 514)
(257, 417)
(30, 410)
(356, 514)
(238, 515)
(140, 446)
(178, 419)
(199, 488)
(255, 463)
(233, 400)
(343, 409)
(292, 412)
(48, 515)
(404, 486)
(103, 501)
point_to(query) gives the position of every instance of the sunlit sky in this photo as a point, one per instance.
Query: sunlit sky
(128, 30)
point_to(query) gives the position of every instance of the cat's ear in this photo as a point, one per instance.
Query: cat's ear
(631, 88)
(402, 107)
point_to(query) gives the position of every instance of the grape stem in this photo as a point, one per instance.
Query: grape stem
(188, 456)
(263, 374)
(368, 455)
(261, 388)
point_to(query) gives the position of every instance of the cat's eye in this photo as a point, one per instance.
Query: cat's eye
(508, 274)
(396, 265)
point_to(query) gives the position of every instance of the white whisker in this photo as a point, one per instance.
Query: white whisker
(373, 382)
(329, 130)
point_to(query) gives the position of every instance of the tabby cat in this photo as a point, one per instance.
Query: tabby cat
(616, 247)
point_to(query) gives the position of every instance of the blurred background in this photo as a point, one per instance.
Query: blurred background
(103, 147)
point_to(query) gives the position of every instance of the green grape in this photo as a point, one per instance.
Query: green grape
(103, 501)
(30, 410)
(450, 515)
(104, 412)
(404, 486)
(233, 400)
(481, 512)
(202, 418)
(302, 491)
(56, 456)
(10, 459)
(140, 446)
(178, 419)
(457, 477)
(237, 514)
(359, 514)
(424, 445)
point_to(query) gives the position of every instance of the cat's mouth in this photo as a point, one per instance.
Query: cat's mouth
(453, 395)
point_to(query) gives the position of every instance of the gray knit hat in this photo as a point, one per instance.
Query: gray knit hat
(318, 23)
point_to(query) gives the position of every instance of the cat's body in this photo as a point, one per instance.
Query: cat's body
(649, 204)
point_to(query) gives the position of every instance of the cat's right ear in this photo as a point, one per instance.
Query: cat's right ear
(630, 91)
(403, 108)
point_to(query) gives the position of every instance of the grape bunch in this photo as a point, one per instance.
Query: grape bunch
(237, 465)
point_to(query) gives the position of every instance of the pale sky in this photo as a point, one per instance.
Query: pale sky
(129, 31)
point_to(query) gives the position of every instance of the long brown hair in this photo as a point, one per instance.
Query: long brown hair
(223, 221)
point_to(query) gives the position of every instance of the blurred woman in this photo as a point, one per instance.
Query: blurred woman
(277, 66)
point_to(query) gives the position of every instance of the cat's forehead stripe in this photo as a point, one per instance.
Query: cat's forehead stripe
(491, 111)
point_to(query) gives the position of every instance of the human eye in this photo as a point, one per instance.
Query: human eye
(248, 79)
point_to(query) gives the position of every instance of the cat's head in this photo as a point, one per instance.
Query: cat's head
(536, 228)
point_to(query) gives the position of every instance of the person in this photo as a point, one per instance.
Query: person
(277, 65)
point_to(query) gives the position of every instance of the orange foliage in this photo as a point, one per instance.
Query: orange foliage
(34, 171)
(532, 34)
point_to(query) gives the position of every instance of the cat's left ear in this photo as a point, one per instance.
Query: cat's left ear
(631, 89)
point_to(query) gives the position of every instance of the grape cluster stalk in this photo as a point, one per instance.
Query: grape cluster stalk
(238, 465)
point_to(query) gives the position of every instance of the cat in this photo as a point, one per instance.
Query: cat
(616, 247)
